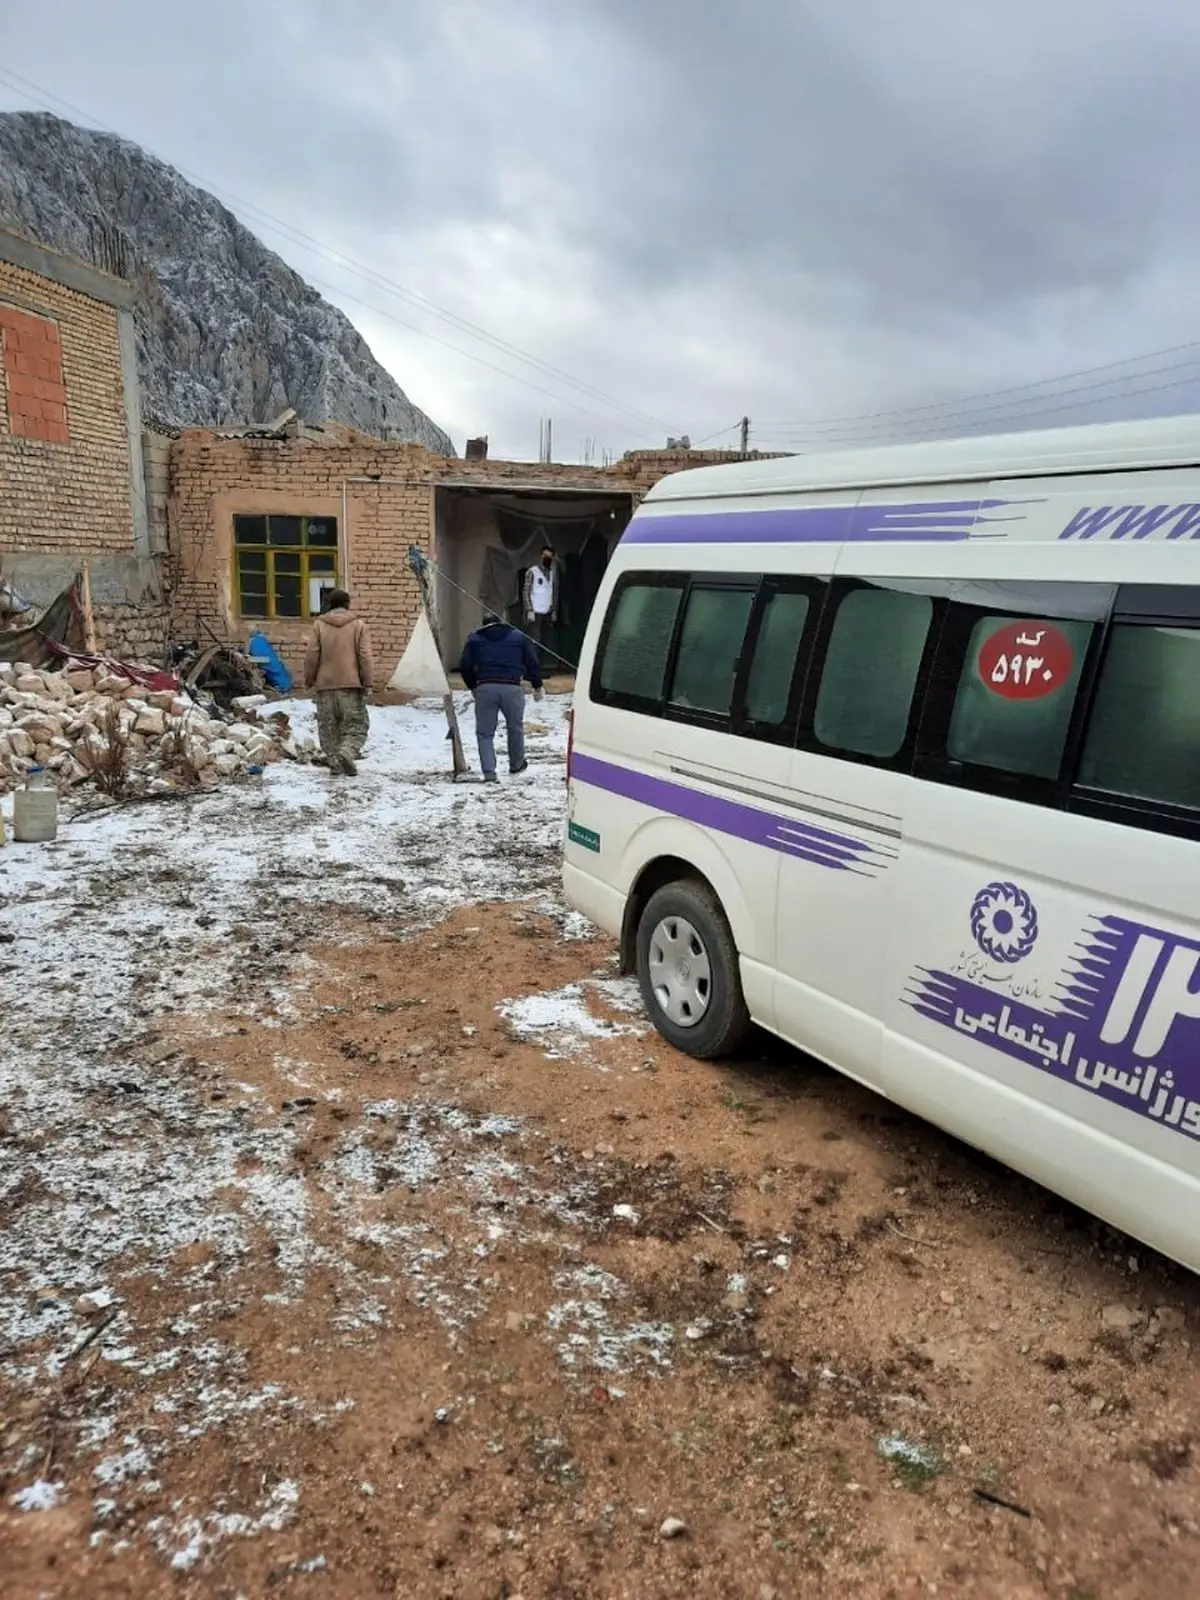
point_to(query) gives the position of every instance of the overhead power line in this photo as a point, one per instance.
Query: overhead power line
(719, 434)
(939, 431)
(649, 424)
(968, 403)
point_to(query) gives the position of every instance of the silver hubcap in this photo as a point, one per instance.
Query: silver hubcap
(680, 973)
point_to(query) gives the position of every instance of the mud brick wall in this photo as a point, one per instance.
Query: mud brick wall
(383, 497)
(64, 441)
(214, 479)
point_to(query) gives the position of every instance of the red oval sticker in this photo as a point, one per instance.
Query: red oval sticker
(1026, 660)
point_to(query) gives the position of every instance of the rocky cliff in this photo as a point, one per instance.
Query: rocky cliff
(227, 332)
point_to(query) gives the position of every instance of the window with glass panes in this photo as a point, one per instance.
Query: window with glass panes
(282, 564)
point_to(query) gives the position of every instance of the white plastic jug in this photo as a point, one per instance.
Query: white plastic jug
(35, 809)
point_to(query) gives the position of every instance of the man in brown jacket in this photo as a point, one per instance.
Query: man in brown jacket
(339, 670)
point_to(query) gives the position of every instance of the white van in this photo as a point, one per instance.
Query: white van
(897, 754)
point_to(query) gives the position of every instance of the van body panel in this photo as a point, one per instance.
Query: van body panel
(981, 919)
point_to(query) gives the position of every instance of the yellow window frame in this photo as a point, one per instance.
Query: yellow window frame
(305, 552)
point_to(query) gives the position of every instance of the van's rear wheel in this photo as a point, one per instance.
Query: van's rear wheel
(688, 970)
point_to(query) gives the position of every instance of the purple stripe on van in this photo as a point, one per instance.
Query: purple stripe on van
(938, 522)
(820, 846)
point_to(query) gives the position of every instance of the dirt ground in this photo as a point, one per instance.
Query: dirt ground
(551, 1284)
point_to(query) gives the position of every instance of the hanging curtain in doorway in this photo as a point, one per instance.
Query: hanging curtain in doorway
(498, 586)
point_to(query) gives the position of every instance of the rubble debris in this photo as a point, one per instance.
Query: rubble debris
(1122, 1319)
(220, 672)
(104, 725)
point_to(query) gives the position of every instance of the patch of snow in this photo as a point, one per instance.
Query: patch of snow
(123, 1154)
(563, 1022)
(895, 1447)
(39, 1496)
(134, 1463)
(591, 1336)
(187, 1540)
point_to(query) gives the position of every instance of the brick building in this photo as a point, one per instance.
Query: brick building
(262, 519)
(72, 464)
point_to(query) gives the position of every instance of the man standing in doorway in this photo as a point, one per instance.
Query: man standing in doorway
(541, 602)
(494, 660)
(339, 669)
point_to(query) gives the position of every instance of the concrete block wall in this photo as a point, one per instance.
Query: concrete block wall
(156, 456)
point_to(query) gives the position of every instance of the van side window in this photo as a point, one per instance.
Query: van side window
(1016, 693)
(1143, 739)
(769, 685)
(636, 645)
(871, 667)
(710, 647)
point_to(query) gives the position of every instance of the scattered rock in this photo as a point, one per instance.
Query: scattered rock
(63, 721)
(1171, 1319)
(1122, 1319)
(673, 1528)
(94, 1302)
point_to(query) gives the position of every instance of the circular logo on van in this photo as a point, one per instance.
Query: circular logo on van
(1004, 922)
(1026, 660)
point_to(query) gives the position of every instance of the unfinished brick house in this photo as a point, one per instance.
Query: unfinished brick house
(73, 484)
(263, 519)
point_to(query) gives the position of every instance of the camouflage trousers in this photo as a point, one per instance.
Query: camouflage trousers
(342, 722)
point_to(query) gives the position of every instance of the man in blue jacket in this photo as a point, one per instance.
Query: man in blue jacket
(495, 659)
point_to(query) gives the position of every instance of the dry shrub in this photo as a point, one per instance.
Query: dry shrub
(108, 759)
(178, 751)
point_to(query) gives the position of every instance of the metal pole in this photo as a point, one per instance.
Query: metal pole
(420, 566)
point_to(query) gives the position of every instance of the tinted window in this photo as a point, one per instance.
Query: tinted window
(871, 670)
(250, 530)
(634, 662)
(322, 531)
(780, 632)
(1016, 694)
(252, 583)
(285, 530)
(1144, 736)
(710, 643)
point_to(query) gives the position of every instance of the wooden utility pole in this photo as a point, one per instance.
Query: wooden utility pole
(89, 616)
(745, 436)
(420, 565)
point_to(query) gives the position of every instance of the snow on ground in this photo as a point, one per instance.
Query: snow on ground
(116, 1152)
(563, 1021)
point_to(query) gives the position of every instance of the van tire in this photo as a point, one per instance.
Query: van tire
(725, 1021)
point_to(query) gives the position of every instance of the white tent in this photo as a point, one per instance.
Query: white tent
(420, 670)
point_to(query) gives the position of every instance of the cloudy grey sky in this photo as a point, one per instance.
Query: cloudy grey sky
(804, 210)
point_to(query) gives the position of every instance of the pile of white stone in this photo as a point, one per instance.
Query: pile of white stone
(69, 723)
